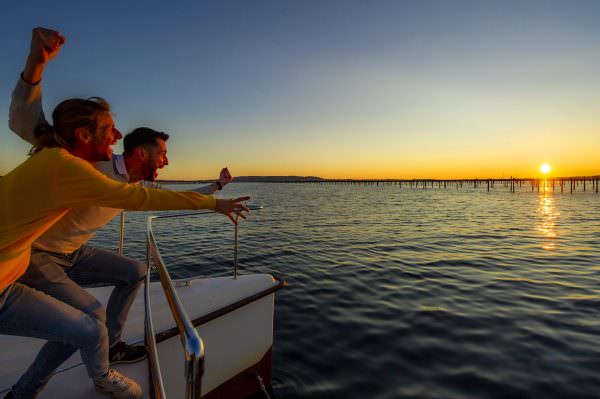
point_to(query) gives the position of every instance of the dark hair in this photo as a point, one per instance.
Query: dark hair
(142, 136)
(68, 116)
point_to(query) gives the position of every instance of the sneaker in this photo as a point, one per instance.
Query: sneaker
(124, 353)
(118, 386)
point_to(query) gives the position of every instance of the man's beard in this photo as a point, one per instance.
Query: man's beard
(104, 156)
(107, 156)
(149, 174)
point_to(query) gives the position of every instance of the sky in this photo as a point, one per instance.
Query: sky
(336, 89)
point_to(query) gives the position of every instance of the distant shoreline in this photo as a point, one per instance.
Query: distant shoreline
(314, 179)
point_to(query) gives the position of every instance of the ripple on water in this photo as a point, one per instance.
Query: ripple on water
(398, 293)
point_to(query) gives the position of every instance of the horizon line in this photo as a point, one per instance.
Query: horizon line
(308, 179)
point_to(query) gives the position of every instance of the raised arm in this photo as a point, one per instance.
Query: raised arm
(26, 102)
(224, 179)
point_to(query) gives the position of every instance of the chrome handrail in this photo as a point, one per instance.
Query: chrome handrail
(252, 207)
(156, 380)
(192, 343)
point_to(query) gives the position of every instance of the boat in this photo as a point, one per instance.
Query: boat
(207, 337)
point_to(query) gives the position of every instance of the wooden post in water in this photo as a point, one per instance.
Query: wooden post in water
(571, 180)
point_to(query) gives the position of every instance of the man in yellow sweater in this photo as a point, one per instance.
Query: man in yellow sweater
(57, 176)
(61, 261)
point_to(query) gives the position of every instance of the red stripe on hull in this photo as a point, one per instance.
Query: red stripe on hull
(245, 384)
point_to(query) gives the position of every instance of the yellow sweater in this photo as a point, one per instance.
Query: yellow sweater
(42, 189)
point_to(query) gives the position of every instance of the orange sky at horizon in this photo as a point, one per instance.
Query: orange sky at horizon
(415, 172)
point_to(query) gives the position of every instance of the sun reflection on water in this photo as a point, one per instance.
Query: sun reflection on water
(549, 214)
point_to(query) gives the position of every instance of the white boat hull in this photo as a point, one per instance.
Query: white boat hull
(237, 343)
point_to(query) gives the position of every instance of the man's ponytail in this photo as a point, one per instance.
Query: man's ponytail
(45, 137)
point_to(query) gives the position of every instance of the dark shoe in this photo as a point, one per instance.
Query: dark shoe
(124, 353)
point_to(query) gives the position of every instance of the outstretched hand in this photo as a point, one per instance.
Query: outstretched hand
(228, 207)
(45, 45)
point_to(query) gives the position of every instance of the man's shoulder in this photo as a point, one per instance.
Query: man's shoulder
(58, 155)
(110, 169)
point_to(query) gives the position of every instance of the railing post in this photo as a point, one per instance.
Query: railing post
(235, 250)
(155, 376)
(122, 234)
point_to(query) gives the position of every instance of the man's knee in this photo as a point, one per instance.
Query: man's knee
(133, 271)
(91, 331)
(97, 311)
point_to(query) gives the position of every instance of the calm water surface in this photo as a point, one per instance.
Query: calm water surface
(400, 293)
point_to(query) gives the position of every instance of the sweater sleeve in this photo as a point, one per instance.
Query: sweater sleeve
(207, 189)
(26, 110)
(78, 183)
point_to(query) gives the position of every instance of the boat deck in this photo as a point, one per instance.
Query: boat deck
(201, 297)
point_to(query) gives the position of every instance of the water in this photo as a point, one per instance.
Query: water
(400, 293)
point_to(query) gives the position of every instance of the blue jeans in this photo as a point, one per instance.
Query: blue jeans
(27, 312)
(61, 276)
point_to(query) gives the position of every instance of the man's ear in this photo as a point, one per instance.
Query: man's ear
(83, 135)
(140, 152)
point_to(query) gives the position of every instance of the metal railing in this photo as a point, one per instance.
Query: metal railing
(122, 233)
(156, 381)
(193, 345)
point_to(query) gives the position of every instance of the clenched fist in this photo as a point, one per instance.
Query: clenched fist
(45, 45)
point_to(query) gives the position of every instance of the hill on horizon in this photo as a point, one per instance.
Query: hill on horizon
(255, 179)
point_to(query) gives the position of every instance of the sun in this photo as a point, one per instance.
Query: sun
(545, 168)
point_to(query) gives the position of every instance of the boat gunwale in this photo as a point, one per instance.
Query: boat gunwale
(174, 331)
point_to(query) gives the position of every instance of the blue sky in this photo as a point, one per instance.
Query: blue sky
(330, 88)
